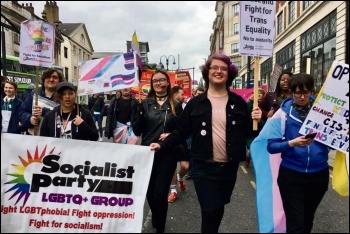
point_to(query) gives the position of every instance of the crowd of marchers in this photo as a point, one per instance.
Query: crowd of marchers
(208, 134)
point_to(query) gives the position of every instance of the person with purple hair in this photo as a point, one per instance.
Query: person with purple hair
(218, 122)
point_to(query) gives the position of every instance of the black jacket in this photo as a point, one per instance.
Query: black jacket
(111, 115)
(196, 122)
(152, 120)
(13, 126)
(85, 131)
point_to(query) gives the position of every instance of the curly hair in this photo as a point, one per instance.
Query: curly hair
(232, 69)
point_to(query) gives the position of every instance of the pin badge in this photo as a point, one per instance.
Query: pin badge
(203, 132)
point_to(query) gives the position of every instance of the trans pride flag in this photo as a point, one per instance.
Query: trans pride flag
(108, 74)
(271, 217)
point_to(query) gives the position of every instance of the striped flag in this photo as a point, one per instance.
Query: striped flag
(271, 217)
(135, 46)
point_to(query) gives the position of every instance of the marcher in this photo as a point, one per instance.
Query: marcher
(199, 90)
(65, 122)
(96, 104)
(303, 174)
(155, 119)
(10, 105)
(182, 156)
(219, 123)
(271, 102)
(30, 116)
(120, 116)
(250, 103)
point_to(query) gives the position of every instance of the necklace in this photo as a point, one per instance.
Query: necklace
(162, 98)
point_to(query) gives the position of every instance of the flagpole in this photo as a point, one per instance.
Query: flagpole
(36, 100)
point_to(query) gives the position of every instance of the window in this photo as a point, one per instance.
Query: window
(16, 53)
(279, 23)
(291, 12)
(82, 38)
(306, 4)
(234, 47)
(236, 28)
(79, 55)
(65, 52)
(236, 9)
(238, 65)
(265, 71)
(74, 50)
(221, 39)
(75, 71)
(66, 72)
(16, 38)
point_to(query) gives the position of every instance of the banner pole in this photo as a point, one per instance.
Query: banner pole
(256, 86)
(36, 100)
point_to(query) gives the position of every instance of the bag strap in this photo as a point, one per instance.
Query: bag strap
(92, 109)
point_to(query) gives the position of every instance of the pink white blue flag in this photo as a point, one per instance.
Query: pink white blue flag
(108, 74)
(271, 217)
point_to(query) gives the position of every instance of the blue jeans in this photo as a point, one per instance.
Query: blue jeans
(98, 118)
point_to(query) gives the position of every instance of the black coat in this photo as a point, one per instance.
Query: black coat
(85, 131)
(196, 122)
(112, 115)
(152, 120)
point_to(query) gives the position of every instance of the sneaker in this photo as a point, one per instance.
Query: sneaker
(172, 197)
(182, 185)
(100, 139)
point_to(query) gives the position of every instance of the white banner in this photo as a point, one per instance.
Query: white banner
(329, 116)
(52, 185)
(257, 28)
(37, 43)
(108, 74)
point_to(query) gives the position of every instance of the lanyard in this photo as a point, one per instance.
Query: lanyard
(65, 122)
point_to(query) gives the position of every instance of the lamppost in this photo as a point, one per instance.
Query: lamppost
(166, 61)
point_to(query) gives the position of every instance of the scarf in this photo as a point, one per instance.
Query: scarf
(302, 111)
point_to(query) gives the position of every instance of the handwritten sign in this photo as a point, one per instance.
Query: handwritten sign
(329, 116)
(257, 30)
(37, 43)
(277, 71)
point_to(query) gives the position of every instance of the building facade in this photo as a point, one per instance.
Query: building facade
(72, 42)
(310, 35)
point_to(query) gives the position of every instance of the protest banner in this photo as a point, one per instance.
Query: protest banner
(108, 73)
(37, 43)
(329, 115)
(257, 28)
(181, 78)
(56, 185)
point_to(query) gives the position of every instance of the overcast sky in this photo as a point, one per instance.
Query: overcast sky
(170, 28)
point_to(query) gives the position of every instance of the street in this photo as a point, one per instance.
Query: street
(184, 215)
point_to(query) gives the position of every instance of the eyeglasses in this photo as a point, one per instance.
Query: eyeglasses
(216, 68)
(161, 80)
(53, 77)
(299, 94)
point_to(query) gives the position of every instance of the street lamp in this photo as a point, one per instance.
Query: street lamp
(166, 61)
